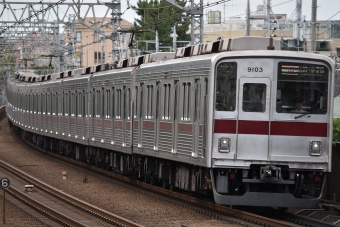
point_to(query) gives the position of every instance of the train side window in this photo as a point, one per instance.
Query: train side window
(112, 103)
(102, 109)
(135, 104)
(141, 109)
(54, 104)
(61, 104)
(76, 106)
(31, 103)
(86, 106)
(72, 104)
(128, 114)
(44, 101)
(94, 102)
(108, 102)
(254, 97)
(119, 103)
(226, 75)
(166, 102)
(149, 102)
(39, 103)
(186, 102)
(69, 105)
(98, 102)
(66, 104)
(79, 104)
(49, 104)
(35, 106)
(83, 107)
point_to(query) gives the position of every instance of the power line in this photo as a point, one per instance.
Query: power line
(34, 15)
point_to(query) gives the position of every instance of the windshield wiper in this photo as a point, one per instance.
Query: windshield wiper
(301, 115)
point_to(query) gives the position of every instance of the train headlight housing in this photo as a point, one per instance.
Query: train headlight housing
(224, 145)
(315, 147)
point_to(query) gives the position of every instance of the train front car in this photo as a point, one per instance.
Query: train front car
(271, 128)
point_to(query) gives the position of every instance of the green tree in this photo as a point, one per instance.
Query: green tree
(336, 129)
(7, 56)
(160, 16)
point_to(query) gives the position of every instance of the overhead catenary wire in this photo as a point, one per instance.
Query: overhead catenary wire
(32, 16)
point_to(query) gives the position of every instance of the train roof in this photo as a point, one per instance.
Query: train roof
(226, 45)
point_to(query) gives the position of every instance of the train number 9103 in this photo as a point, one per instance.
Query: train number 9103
(255, 69)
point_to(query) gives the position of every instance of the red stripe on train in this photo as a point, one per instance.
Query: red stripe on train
(277, 128)
(184, 127)
(165, 126)
(225, 126)
(253, 127)
(299, 129)
(148, 124)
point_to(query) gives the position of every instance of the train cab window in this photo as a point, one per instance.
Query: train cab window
(254, 97)
(302, 88)
(226, 75)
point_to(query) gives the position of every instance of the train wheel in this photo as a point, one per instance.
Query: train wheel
(283, 209)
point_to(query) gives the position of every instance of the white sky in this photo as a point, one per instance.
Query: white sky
(326, 8)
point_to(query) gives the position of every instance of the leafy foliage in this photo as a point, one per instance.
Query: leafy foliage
(7, 58)
(336, 129)
(160, 16)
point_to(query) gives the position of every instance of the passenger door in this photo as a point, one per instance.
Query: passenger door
(253, 119)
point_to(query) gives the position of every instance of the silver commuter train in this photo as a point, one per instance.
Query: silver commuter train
(215, 118)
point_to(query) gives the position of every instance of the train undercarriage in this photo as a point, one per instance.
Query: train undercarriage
(229, 186)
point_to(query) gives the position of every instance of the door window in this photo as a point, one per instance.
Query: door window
(254, 97)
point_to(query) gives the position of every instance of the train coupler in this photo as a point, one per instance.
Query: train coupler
(270, 173)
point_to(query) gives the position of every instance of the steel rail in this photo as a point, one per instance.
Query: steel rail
(47, 211)
(108, 217)
(230, 212)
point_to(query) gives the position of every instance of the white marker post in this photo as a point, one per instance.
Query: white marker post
(4, 184)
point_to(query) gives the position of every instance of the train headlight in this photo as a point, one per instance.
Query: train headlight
(315, 147)
(224, 145)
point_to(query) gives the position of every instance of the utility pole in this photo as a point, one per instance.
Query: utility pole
(248, 19)
(196, 11)
(304, 36)
(268, 17)
(115, 6)
(174, 38)
(157, 42)
(296, 31)
(313, 29)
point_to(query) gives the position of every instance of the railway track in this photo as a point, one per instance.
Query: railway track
(62, 208)
(201, 206)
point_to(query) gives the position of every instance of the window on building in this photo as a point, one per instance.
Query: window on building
(78, 37)
(78, 57)
(98, 57)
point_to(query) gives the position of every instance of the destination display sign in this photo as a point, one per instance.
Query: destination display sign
(289, 70)
(302, 70)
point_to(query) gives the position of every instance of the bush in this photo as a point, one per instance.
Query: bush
(336, 129)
